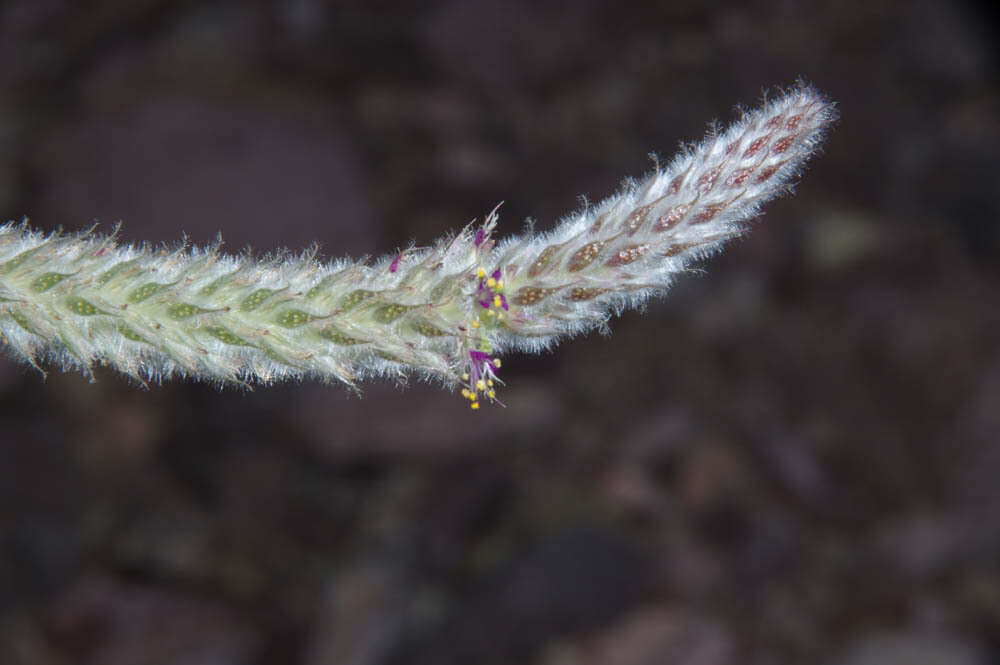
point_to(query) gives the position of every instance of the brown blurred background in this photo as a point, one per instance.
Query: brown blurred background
(794, 458)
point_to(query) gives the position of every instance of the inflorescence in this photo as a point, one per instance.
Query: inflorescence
(446, 312)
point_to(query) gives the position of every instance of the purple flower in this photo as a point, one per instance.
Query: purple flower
(478, 360)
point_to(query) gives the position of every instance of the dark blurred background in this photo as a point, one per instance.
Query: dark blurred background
(794, 458)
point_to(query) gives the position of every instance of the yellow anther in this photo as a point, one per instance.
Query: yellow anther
(474, 406)
(475, 324)
(480, 385)
(496, 363)
(465, 393)
(499, 315)
(492, 394)
(490, 383)
(496, 301)
(481, 273)
(465, 376)
(491, 313)
(491, 282)
(499, 284)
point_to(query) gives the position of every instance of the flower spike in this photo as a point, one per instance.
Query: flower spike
(447, 311)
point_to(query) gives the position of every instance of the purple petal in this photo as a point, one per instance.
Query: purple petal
(480, 236)
(485, 304)
(496, 274)
(395, 263)
(503, 301)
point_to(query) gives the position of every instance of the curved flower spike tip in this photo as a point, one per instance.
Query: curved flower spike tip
(447, 311)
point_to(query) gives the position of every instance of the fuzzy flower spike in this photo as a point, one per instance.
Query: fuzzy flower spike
(447, 311)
